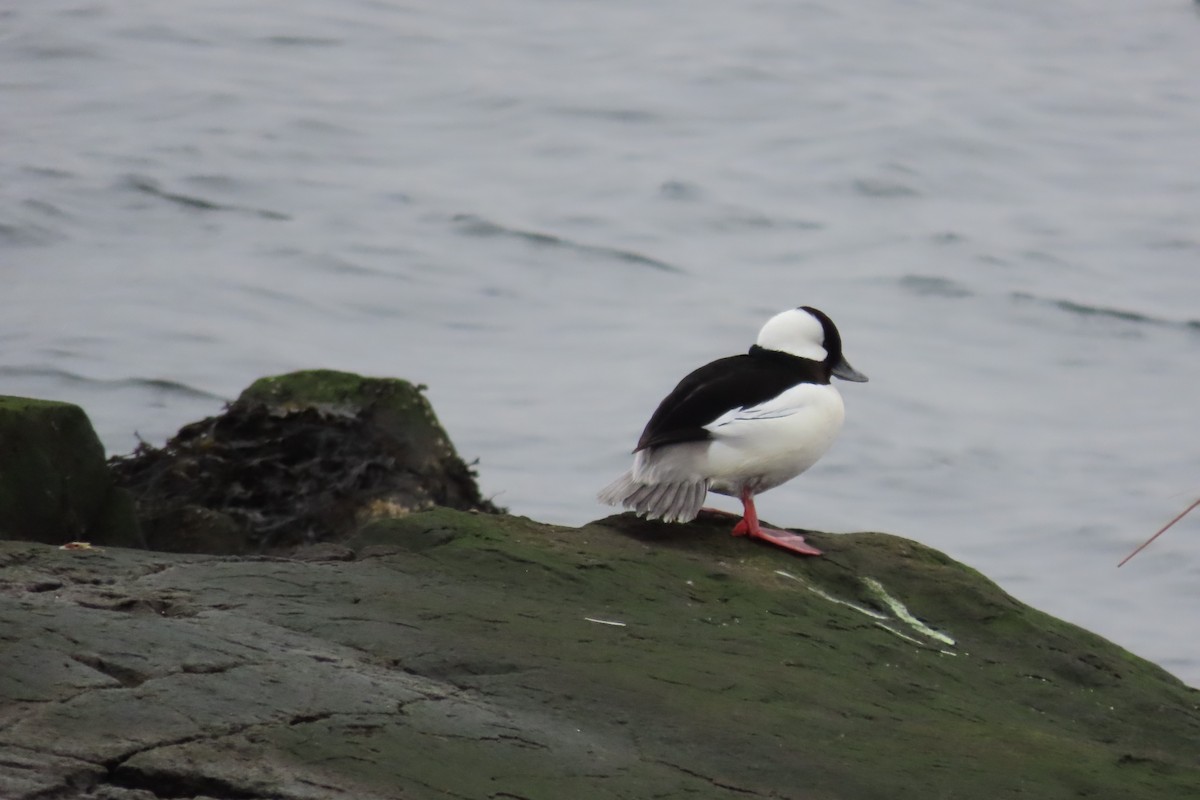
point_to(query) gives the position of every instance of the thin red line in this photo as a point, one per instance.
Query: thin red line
(1161, 531)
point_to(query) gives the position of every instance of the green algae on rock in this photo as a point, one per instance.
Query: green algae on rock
(54, 485)
(424, 651)
(472, 655)
(297, 459)
(884, 668)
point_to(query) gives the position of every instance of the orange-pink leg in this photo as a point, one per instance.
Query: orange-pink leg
(786, 539)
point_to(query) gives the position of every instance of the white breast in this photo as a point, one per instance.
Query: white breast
(765, 445)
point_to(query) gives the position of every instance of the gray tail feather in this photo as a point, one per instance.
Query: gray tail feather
(673, 501)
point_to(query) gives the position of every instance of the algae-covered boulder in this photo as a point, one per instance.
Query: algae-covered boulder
(54, 484)
(425, 652)
(297, 459)
(446, 654)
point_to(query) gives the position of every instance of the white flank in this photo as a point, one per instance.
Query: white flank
(769, 444)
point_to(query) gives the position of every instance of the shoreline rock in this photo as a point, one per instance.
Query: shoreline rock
(470, 655)
(417, 651)
(297, 459)
(54, 485)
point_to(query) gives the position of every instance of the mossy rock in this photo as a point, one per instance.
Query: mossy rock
(297, 459)
(397, 408)
(882, 669)
(466, 655)
(54, 484)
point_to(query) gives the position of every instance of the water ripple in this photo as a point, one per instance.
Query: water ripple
(737, 220)
(883, 187)
(1124, 315)
(934, 286)
(23, 235)
(631, 115)
(152, 188)
(302, 41)
(680, 190)
(473, 225)
(157, 384)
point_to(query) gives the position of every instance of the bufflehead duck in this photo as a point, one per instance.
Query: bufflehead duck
(742, 425)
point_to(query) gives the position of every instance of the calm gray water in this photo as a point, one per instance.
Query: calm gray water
(550, 210)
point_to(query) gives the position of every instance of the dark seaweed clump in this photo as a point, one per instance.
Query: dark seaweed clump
(258, 479)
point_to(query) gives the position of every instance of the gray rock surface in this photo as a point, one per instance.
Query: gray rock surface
(457, 655)
(394, 648)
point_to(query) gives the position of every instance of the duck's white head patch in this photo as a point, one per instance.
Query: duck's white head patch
(796, 332)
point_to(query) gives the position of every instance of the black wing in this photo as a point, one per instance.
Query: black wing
(725, 384)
